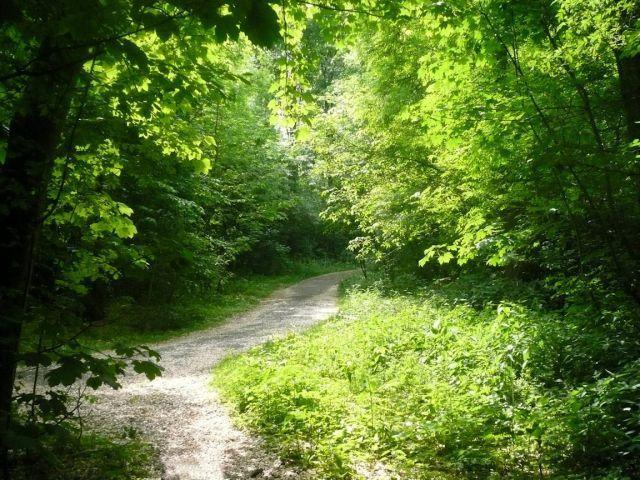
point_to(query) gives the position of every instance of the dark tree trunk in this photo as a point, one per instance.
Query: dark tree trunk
(34, 135)
(629, 74)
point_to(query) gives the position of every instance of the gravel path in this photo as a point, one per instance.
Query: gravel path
(182, 415)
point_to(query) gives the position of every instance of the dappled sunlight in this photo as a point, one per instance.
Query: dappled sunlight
(180, 412)
(189, 185)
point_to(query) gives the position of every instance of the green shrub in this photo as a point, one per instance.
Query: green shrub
(129, 323)
(67, 456)
(432, 385)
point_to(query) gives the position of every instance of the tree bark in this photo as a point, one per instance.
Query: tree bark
(629, 75)
(34, 135)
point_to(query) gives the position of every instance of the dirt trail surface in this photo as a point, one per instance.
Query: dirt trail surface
(181, 414)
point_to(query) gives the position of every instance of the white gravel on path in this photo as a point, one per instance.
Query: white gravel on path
(181, 414)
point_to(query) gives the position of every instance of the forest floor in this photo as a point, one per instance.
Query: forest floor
(181, 414)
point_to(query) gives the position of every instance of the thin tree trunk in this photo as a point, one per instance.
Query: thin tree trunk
(34, 134)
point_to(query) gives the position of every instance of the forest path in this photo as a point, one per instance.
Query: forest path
(181, 414)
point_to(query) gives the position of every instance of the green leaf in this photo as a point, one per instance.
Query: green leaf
(149, 368)
(445, 258)
(261, 24)
(70, 369)
(134, 54)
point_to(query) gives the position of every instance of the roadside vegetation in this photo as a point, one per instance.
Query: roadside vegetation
(471, 378)
(128, 323)
(485, 156)
(81, 456)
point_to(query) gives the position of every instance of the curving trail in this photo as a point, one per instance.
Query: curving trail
(181, 414)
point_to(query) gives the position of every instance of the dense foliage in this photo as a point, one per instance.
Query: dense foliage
(138, 168)
(492, 134)
(454, 380)
(153, 150)
(492, 138)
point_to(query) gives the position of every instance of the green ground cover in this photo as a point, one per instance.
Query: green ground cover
(466, 379)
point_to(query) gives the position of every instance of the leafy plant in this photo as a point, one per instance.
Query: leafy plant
(429, 384)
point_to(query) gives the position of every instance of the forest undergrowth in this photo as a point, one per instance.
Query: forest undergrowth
(472, 378)
(129, 323)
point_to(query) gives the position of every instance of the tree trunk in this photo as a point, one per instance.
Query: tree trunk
(629, 74)
(34, 135)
